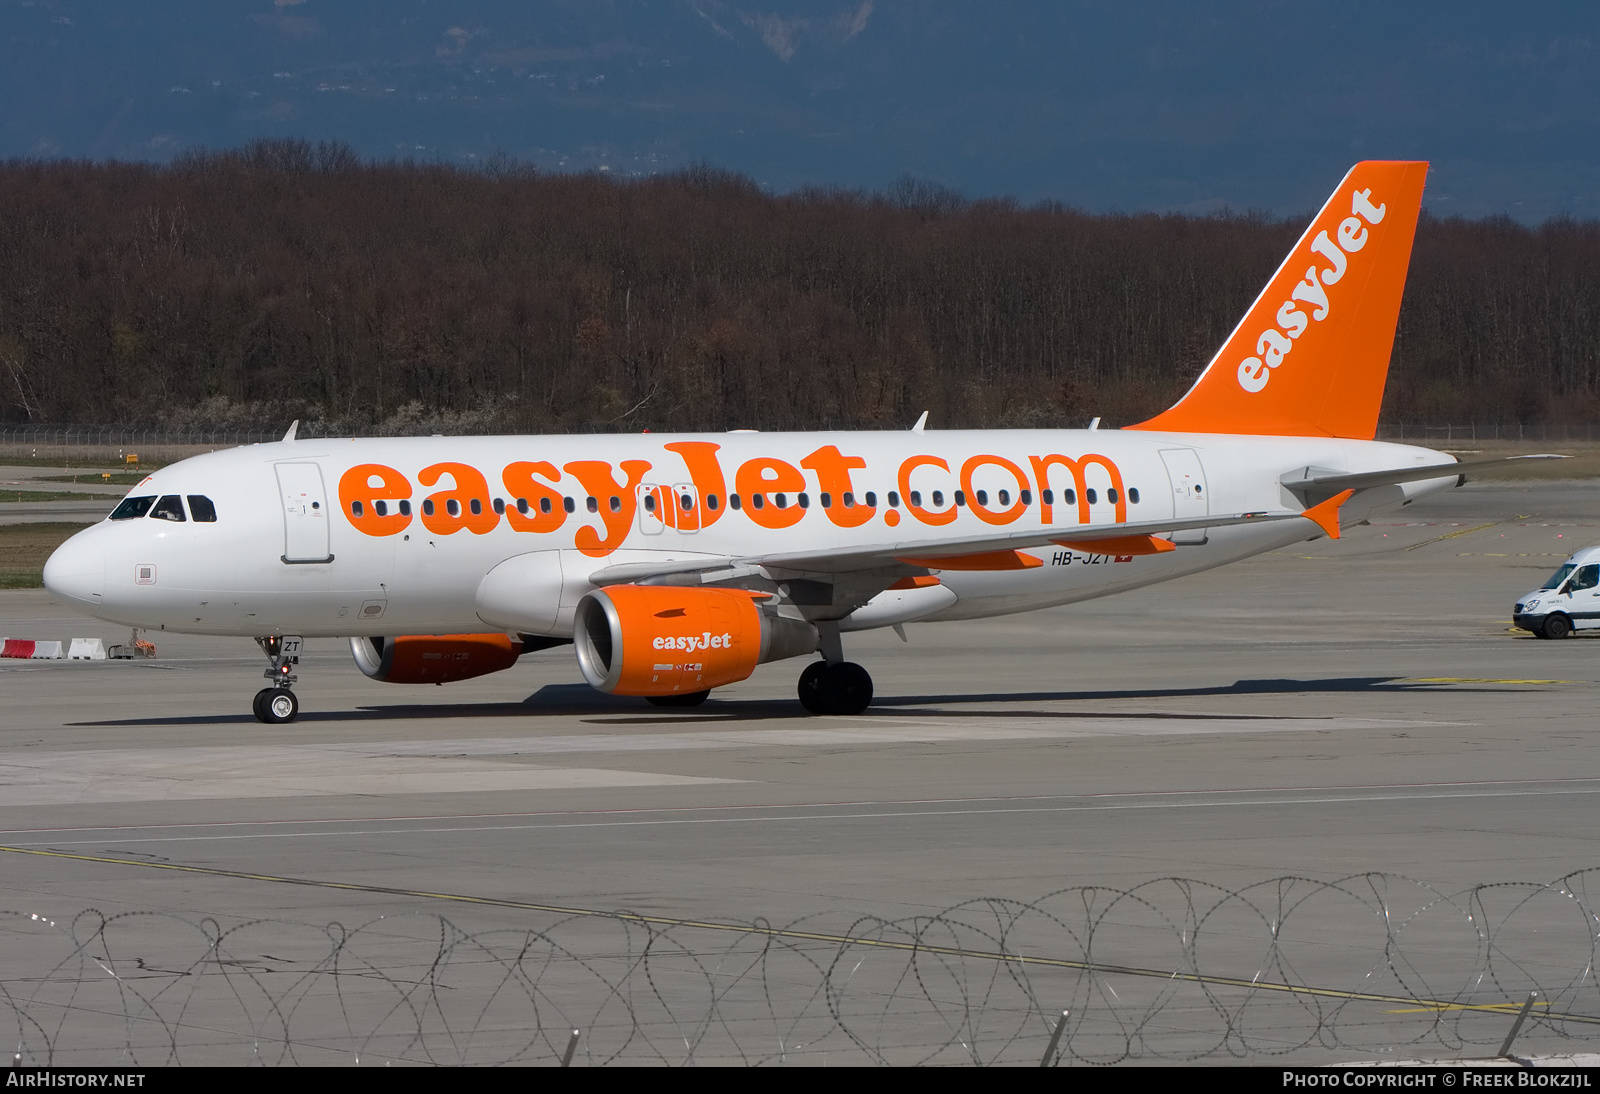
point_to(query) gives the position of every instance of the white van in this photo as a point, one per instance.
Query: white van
(1569, 601)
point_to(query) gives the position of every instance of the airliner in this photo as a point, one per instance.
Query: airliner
(676, 564)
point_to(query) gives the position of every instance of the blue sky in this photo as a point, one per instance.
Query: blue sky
(1164, 105)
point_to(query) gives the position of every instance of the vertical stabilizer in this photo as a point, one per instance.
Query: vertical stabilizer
(1311, 356)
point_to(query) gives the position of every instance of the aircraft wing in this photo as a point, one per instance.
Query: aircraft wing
(959, 553)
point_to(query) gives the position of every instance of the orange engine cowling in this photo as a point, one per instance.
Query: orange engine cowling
(434, 658)
(667, 640)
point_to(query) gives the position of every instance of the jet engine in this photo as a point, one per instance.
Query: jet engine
(661, 640)
(434, 658)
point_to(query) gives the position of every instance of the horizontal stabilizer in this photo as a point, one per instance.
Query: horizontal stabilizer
(1308, 480)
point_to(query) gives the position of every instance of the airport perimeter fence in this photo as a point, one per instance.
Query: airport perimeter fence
(1478, 432)
(108, 444)
(1290, 970)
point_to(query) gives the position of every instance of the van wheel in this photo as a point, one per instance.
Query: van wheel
(1557, 625)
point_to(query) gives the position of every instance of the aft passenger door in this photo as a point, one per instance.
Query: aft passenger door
(305, 513)
(1189, 497)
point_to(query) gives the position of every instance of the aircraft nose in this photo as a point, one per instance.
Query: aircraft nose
(77, 571)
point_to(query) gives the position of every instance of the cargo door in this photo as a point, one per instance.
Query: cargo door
(305, 513)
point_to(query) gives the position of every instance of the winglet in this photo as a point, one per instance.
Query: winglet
(1325, 515)
(922, 423)
(294, 427)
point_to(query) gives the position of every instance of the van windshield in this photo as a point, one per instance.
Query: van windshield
(1558, 577)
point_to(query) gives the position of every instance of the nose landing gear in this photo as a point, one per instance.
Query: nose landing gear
(277, 704)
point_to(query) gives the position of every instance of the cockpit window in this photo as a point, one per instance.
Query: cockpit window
(201, 509)
(1555, 579)
(168, 508)
(132, 507)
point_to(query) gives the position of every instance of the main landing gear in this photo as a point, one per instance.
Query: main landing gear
(834, 685)
(277, 704)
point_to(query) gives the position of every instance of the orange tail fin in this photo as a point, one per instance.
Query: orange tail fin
(1311, 355)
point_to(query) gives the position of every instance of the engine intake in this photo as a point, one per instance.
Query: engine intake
(667, 640)
(434, 658)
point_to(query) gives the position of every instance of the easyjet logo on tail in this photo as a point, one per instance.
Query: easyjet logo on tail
(1274, 343)
(1311, 355)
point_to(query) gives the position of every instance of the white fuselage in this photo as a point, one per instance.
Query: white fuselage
(288, 553)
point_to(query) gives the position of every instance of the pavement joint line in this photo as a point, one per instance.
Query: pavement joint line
(1453, 535)
(883, 803)
(814, 936)
(890, 815)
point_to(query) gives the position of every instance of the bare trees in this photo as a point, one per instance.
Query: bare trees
(291, 279)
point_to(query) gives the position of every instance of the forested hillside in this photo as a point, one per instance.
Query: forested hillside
(290, 280)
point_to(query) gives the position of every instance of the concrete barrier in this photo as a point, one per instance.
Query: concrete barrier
(26, 649)
(87, 649)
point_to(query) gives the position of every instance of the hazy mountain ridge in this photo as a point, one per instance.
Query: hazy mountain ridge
(1170, 106)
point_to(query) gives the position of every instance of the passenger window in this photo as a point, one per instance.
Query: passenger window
(1048, 495)
(961, 498)
(453, 507)
(201, 509)
(758, 500)
(1026, 497)
(711, 502)
(916, 497)
(1005, 497)
(872, 500)
(499, 505)
(569, 505)
(894, 499)
(1070, 497)
(938, 497)
(1091, 495)
(1587, 577)
(476, 507)
(427, 507)
(130, 508)
(805, 500)
(1133, 494)
(685, 500)
(593, 505)
(781, 500)
(379, 507)
(355, 509)
(983, 497)
(649, 503)
(405, 508)
(616, 505)
(168, 508)
(1111, 495)
(827, 500)
(733, 500)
